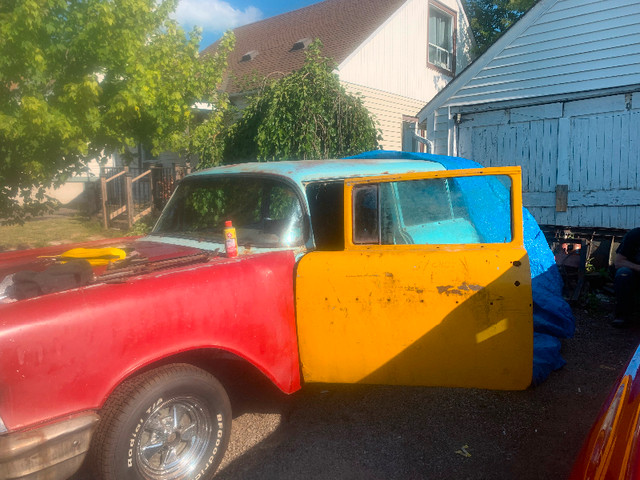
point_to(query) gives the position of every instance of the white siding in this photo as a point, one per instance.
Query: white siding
(394, 59)
(591, 145)
(576, 45)
(93, 165)
(168, 159)
(388, 110)
(558, 95)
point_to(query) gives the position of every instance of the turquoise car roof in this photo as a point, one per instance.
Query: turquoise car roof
(304, 171)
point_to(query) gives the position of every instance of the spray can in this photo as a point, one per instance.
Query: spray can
(230, 239)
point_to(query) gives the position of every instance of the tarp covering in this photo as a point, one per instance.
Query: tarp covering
(552, 316)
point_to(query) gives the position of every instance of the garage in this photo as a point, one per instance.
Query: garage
(559, 95)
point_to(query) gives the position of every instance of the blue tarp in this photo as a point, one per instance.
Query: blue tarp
(552, 316)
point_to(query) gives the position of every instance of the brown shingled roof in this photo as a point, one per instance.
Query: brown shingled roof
(341, 25)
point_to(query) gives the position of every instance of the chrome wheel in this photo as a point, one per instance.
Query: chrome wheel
(173, 439)
(169, 423)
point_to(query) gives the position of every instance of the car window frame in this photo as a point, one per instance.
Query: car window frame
(513, 172)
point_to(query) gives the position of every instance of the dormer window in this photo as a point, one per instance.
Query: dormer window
(442, 38)
(247, 57)
(301, 44)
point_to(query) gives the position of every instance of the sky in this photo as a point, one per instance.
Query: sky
(217, 16)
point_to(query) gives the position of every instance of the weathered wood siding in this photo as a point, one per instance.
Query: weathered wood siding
(388, 110)
(394, 58)
(592, 146)
(559, 95)
(576, 45)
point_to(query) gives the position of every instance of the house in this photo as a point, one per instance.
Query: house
(558, 94)
(397, 54)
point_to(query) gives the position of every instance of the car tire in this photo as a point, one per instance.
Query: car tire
(170, 423)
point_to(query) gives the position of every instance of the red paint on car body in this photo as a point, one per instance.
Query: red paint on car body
(65, 352)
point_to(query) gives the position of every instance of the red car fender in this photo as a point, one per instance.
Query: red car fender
(65, 352)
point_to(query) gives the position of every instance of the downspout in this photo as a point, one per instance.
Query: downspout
(455, 119)
(420, 139)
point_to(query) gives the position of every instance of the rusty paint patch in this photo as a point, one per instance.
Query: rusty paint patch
(415, 289)
(447, 289)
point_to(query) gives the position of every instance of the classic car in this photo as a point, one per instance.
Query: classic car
(348, 271)
(612, 449)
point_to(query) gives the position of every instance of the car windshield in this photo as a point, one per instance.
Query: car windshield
(265, 212)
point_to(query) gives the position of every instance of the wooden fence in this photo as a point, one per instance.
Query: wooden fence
(136, 192)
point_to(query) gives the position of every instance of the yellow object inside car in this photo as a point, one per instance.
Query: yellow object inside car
(95, 256)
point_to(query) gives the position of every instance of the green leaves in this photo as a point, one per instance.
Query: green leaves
(80, 79)
(202, 141)
(305, 115)
(491, 18)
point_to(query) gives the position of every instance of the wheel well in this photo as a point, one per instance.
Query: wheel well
(246, 385)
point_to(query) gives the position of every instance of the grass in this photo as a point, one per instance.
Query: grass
(53, 230)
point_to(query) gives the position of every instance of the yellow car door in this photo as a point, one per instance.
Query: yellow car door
(432, 288)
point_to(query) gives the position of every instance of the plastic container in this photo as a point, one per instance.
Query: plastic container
(230, 239)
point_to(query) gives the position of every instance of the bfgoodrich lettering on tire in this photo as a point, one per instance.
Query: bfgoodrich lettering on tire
(171, 423)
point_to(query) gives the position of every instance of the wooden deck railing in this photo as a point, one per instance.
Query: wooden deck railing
(139, 195)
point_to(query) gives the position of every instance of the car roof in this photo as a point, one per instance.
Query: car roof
(304, 171)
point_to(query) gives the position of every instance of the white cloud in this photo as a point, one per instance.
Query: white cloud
(214, 15)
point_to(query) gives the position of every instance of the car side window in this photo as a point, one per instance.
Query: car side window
(366, 227)
(433, 211)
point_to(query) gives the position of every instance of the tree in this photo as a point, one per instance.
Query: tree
(489, 19)
(80, 79)
(306, 114)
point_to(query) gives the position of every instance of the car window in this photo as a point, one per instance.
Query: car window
(433, 211)
(434, 205)
(366, 221)
(265, 212)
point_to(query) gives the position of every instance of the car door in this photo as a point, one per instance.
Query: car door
(432, 288)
